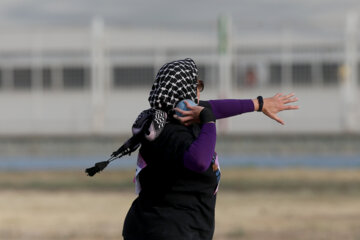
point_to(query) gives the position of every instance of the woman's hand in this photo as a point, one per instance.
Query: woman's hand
(189, 117)
(278, 103)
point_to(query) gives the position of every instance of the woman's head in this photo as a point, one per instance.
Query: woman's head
(174, 82)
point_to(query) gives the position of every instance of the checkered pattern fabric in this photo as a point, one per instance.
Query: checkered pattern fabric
(174, 82)
(158, 120)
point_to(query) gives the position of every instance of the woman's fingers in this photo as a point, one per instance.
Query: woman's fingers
(290, 95)
(278, 95)
(290, 100)
(182, 112)
(291, 107)
(191, 109)
(279, 120)
(275, 117)
(195, 109)
(188, 105)
(190, 116)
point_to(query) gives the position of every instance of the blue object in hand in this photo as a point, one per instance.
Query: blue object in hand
(182, 105)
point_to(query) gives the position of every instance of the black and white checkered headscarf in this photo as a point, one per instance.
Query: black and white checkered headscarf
(174, 82)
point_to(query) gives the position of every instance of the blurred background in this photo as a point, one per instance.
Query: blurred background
(74, 75)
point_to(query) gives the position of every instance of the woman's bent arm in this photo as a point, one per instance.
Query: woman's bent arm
(199, 155)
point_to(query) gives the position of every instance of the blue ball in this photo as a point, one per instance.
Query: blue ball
(181, 105)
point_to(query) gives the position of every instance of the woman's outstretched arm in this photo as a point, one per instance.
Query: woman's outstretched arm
(198, 156)
(224, 108)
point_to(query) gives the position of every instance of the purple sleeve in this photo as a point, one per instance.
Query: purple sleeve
(224, 108)
(199, 155)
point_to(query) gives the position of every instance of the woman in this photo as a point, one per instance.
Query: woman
(178, 172)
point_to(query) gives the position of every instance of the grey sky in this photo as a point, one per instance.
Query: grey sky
(304, 16)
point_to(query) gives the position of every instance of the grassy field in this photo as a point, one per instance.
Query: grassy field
(252, 204)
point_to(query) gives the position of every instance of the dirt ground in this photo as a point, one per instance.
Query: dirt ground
(242, 213)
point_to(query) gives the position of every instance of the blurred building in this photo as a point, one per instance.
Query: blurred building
(70, 81)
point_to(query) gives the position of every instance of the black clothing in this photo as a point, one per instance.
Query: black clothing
(175, 203)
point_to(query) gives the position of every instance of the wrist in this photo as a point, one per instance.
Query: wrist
(206, 116)
(256, 104)
(260, 103)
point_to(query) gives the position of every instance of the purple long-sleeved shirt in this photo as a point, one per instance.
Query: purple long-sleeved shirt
(198, 157)
(224, 108)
